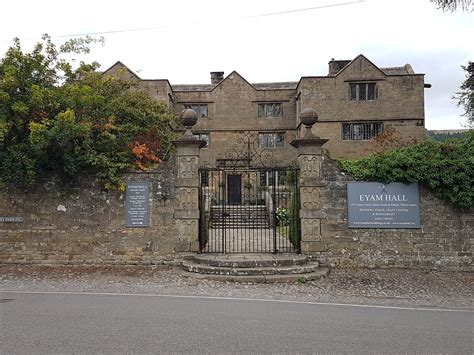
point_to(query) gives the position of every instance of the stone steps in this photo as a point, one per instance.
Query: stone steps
(321, 272)
(247, 271)
(239, 214)
(242, 225)
(253, 267)
(248, 207)
(248, 261)
(239, 217)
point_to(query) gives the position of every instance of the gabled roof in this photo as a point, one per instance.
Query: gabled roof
(120, 65)
(405, 70)
(193, 87)
(231, 77)
(354, 60)
(287, 85)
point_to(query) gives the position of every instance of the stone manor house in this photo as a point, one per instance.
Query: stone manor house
(355, 102)
(247, 188)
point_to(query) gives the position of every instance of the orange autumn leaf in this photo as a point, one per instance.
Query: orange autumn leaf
(144, 155)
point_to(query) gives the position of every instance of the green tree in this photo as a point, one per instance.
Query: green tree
(465, 96)
(453, 5)
(59, 121)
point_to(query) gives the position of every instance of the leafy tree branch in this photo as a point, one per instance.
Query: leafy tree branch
(57, 120)
(465, 96)
(453, 5)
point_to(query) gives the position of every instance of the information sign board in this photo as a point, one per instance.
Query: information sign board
(377, 205)
(137, 204)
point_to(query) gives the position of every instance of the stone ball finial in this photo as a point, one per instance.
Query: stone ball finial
(188, 118)
(308, 117)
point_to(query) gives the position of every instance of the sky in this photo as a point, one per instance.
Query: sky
(263, 40)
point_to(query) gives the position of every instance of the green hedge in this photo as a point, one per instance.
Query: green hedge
(446, 168)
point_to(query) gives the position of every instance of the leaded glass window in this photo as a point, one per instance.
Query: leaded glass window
(363, 91)
(361, 131)
(204, 137)
(271, 140)
(201, 109)
(270, 110)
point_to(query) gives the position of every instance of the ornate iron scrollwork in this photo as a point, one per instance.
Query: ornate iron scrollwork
(247, 152)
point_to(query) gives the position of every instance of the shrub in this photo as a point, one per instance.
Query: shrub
(446, 168)
(59, 122)
(282, 216)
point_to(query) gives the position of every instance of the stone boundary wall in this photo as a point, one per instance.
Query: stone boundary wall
(443, 243)
(84, 225)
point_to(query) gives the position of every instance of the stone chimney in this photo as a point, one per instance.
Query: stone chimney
(336, 65)
(216, 77)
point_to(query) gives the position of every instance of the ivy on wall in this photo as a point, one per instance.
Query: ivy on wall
(446, 168)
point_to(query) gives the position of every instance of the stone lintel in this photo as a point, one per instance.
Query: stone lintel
(186, 214)
(187, 182)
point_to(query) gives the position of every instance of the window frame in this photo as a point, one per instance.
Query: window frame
(197, 105)
(355, 91)
(263, 143)
(262, 109)
(200, 137)
(361, 131)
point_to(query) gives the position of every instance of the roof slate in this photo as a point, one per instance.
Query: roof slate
(395, 71)
(193, 87)
(273, 86)
(286, 85)
(259, 86)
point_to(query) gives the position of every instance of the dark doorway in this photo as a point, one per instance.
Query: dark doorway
(234, 187)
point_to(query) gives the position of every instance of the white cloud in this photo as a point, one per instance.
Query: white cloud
(191, 38)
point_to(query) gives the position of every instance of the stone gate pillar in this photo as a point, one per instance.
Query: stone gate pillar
(186, 215)
(311, 183)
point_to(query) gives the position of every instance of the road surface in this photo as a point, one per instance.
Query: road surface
(119, 323)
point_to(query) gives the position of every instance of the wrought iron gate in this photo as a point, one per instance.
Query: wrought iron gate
(249, 210)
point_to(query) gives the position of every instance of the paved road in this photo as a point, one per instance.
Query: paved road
(105, 323)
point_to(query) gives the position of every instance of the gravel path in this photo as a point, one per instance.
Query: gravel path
(381, 287)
